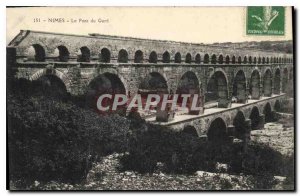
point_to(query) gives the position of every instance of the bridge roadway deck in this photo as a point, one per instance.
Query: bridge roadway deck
(211, 111)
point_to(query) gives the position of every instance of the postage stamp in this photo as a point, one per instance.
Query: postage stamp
(265, 20)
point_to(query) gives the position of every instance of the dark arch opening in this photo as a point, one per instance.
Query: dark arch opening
(85, 54)
(263, 60)
(239, 60)
(177, 57)
(277, 82)
(138, 56)
(53, 85)
(233, 60)
(254, 60)
(189, 84)
(267, 84)
(268, 113)
(190, 130)
(255, 85)
(220, 61)
(166, 57)
(250, 59)
(217, 132)
(239, 87)
(206, 59)
(245, 60)
(254, 116)
(63, 54)
(268, 60)
(198, 59)
(123, 56)
(259, 60)
(153, 83)
(240, 125)
(106, 83)
(188, 58)
(227, 60)
(217, 89)
(153, 57)
(105, 55)
(40, 54)
(285, 81)
(213, 59)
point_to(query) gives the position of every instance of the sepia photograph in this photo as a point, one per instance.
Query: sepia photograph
(150, 98)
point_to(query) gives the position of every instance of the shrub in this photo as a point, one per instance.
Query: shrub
(52, 139)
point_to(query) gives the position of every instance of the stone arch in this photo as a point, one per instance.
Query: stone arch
(105, 83)
(239, 61)
(254, 60)
(285, 80)
(138, 56)
(166, 57)
(259, 60)
(52, 84)
(268, 112)
(245, 60)
(84, 55)
(213, 59)
(37, 53)
(190, 130)
(177, 58)
(233, 60)
(153, 57)
(110, 71)
(255, 85)
(123, 56)
(250, 59)
(217, 89)
(239, 87)
(188, 58)
(105, 55)
(189, 84)
(206, 59)
(154, 82)
(255, 118)
(62, 53)
(277, 81)
(267, 83)
(43, 72)
(239, 123)
(220, 60)
(217, 131)
(198, 59)
(227, 59)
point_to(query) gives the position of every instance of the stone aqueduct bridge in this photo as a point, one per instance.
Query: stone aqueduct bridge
(258, 80)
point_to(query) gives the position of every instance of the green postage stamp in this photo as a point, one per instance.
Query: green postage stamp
(265, 20)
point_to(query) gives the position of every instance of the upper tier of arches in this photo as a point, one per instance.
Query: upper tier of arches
(37, 53)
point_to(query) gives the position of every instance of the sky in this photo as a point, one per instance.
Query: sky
(186, 24)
